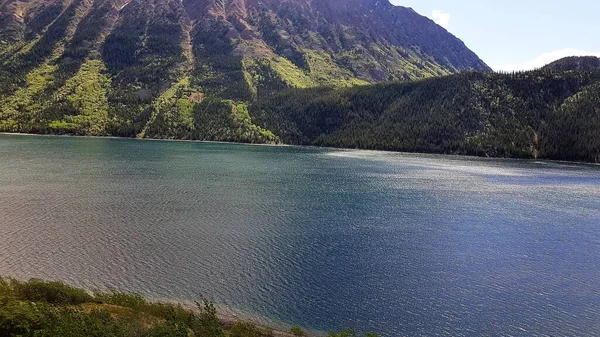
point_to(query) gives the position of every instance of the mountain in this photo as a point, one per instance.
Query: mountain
(575, 63)
(537, 114)
(187, 69)
(292, 71)
(40, 308)
(368, 40)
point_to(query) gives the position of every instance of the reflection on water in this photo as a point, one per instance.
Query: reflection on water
(394, 243)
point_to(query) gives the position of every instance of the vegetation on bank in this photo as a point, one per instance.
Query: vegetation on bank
(50, 309)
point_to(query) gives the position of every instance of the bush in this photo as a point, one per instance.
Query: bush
(208, 324)
(51, 292)
(5, 288)
(48, 309)
(297, 331)
(18, 319)
(133, 301)
(169, 312)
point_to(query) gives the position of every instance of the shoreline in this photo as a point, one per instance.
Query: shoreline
(283, 145)
(226, 319)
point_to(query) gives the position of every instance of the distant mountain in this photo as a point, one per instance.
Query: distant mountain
(575, 63)
(187, 69)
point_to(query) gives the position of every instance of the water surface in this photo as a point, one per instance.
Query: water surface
(326, 239)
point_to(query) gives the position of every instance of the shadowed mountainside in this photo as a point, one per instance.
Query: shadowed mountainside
(536, 114)
(575, 63)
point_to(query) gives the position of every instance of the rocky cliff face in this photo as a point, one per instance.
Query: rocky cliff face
(369, 40)
(372, 39)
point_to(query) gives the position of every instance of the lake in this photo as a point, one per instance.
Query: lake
(397, 244)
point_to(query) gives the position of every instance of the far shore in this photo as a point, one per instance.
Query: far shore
(141, 139)
(301, 146)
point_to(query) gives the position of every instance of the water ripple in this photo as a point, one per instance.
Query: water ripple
(399, 244)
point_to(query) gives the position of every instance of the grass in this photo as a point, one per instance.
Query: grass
(87, 94)
(40, 308)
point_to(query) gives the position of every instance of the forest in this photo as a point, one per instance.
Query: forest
(541, 114)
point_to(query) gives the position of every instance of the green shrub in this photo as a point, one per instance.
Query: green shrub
(20, 319)
(5, 288)
(133, 301)
(297, 331)
(51, 292)
(48, 309)
(175, 313)
(208, 324)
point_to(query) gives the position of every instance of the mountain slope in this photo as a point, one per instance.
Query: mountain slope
(537, 114)
(574, 132)
(369, 40)
(574, 63)
(145, 67)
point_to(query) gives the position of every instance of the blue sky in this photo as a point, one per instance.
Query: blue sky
(516, 35)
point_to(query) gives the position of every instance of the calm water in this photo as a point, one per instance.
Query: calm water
(393, 243)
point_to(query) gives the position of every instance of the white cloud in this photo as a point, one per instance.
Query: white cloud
(544, 59)
(441, 18)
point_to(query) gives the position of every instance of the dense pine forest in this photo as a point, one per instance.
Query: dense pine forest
(537, 114)
(542, 114)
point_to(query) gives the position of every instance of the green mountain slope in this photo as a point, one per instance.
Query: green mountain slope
(145, 67)
(293, 71)
(574, 131)
(574, 63)
(538, 114)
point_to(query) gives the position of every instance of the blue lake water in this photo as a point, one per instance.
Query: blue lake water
(398, 244)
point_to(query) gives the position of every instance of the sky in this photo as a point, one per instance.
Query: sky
(518, 34)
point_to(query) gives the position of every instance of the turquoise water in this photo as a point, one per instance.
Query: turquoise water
(393, 243)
